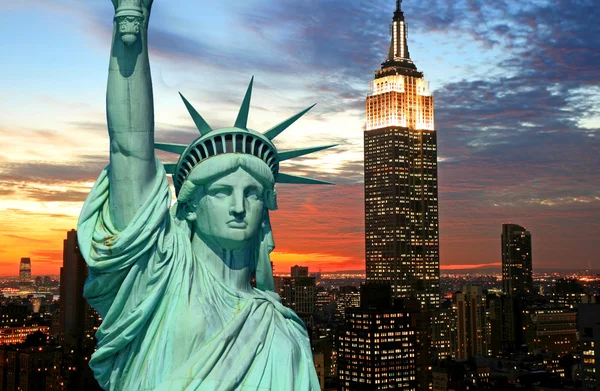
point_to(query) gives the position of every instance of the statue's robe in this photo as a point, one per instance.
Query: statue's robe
(167, 323)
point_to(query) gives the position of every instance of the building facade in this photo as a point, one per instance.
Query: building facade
(517, 270)
(400, 154)
(298, 292)
(469, 306)
(25, 271)
(78, 320)
(589, 345)
(377, 346)
(550, 330)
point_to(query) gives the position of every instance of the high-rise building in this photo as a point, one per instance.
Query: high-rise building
(517, 276)
(401, 204)
(470, 315)
(299, 293)
(376, 348)
(78, 320)
(494, 325)
(588, 323)
(421, 323)
(72, 278)
(550, 330)
(29, 368)
(443, 326)
(346, 297)
(299, 271)
(25, 270)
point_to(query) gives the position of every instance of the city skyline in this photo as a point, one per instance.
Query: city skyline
(515, 86)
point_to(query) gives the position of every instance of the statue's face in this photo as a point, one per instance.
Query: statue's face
(231, 211)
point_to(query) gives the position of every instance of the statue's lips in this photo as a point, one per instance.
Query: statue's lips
(237, 224)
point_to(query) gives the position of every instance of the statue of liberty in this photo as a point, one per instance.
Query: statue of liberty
(173, 284)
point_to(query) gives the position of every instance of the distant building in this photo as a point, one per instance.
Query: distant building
(421, 322)
(347, 297)
(78, 320)
(494, 318)
(551, 330)
(517, 273)
(30, 369)
(589, 345)
(505, 319)
(470, 316)
(376, 348)
(299, 293)
(13, 315)
(319, 360)
(323, 299)
(299, 271)
(25, 271)
(568, 292)
(401, 181)
(444, 331)
(460, 375)
(17, 335)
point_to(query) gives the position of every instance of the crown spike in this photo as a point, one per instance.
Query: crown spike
(242, 119)
(286, 155)
(300, 180)
(201, 124)
(170, 168)
(277, 129)
(173, 148)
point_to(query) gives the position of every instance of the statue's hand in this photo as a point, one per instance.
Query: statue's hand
(130, 16)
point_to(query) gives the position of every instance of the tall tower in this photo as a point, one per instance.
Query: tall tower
(401, 204)
(517, 273)
(25, 270)
(78, 319)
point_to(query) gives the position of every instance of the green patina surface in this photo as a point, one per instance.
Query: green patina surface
(172, 284)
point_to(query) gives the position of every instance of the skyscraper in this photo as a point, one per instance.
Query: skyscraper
(469, 308)
(72, 278)
(25, 270)
(589, 344)
(517, 278)
(401, 205)
(78, 319)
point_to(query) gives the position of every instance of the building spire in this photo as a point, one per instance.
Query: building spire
(399, 54)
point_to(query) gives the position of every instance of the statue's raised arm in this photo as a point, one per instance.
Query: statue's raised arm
(130, 111)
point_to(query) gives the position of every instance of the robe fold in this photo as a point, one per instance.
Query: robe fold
(167, 323)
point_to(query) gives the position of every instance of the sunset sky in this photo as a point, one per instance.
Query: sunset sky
(516, 87)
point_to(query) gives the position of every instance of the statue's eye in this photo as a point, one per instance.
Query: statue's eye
(253, 193)
(220, 192)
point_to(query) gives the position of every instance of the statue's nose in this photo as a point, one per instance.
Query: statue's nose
(237, 204)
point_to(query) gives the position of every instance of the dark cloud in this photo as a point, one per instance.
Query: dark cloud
(86, 168)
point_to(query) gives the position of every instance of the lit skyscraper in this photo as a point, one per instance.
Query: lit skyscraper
(401, 205)
(517, 277)
(25, 270)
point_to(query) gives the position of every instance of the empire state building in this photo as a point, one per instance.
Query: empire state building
(401, 204)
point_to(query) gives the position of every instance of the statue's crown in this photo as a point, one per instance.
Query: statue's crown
(237, 139)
